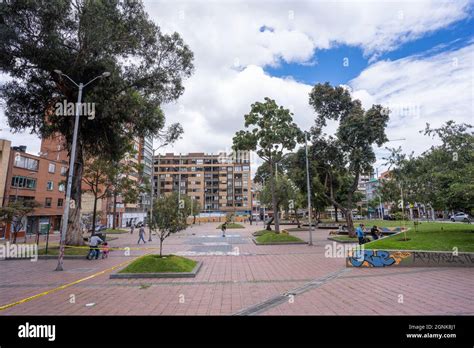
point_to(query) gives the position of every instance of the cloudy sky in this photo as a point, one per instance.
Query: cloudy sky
(416, 57)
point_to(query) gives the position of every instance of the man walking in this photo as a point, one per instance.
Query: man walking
(141, 235)
(132, 228)
(360, 233)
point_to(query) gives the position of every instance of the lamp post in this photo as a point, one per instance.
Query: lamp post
(158, 185)
(309, 190)
(72, 160)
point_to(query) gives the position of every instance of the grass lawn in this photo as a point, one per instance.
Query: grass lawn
(298, 229)
(54, 250)
(272, 237)
(157, 264)
(384, 223)
(344, 238)
(231, 225)
(430, 236)
(114, 231)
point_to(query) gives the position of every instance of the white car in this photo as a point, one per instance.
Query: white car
(460, 217)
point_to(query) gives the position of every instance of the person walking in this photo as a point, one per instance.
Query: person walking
(141, 235)
(132, 228)
(224, 228)
(360, 233)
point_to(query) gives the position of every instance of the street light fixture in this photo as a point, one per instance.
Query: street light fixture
(158, 184)
(309, 189)
(72, 160)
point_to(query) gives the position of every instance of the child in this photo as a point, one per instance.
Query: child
(105, 250)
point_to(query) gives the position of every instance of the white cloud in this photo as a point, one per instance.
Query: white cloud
(230, 51)
(420, 90)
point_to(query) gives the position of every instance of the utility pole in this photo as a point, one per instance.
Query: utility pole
(309, 190)
(72, 160)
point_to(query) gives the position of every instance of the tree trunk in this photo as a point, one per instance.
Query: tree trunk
(274, 199)
(335, 212)
(74, 232)
(94, 215)
(114, 211)
(161, 247)
(350, 224)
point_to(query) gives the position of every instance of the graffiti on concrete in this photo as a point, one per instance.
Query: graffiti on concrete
(436, 259)
(376, 258)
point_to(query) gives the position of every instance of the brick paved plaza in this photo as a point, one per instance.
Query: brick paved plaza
(237, 277)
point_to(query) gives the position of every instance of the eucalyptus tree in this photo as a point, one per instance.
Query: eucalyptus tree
(84, 39)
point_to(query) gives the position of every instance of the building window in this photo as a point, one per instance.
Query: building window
(50, 186)
(63, 171)
(61, 187)
(23, 182)
(60, 202)
(51, 168)
(47, 202)
(26, 163)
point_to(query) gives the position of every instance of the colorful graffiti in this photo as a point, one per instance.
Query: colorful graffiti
(376, 258)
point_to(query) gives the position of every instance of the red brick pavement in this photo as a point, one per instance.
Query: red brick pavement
(229, 283)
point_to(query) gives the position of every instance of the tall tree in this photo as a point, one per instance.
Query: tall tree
(440, 177)
(272, 132)
(352, 148)
(83, 39)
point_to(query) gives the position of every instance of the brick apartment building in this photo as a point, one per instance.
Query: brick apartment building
(39, 178)
(219, 184)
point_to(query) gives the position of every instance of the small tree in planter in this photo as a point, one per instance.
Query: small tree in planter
(169, 216)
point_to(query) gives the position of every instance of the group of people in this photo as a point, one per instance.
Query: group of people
(374, 232)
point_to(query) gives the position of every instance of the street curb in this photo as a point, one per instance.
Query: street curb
(282, 243)
(191, 274)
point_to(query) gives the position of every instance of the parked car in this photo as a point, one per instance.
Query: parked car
(358, 217)
(389, 217)
(140, 224)
(460, 217)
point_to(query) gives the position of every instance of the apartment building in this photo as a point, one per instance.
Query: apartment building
(218, 182)
(39, 178)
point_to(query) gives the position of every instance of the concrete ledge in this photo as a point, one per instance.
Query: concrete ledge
(281, 243)
(409, 258)
(191, 274)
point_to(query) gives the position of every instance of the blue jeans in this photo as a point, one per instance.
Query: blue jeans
(141, 238)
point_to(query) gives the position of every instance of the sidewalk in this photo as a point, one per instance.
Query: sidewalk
(236, 275)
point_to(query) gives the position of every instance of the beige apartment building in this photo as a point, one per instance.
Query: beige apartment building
(218, 182)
